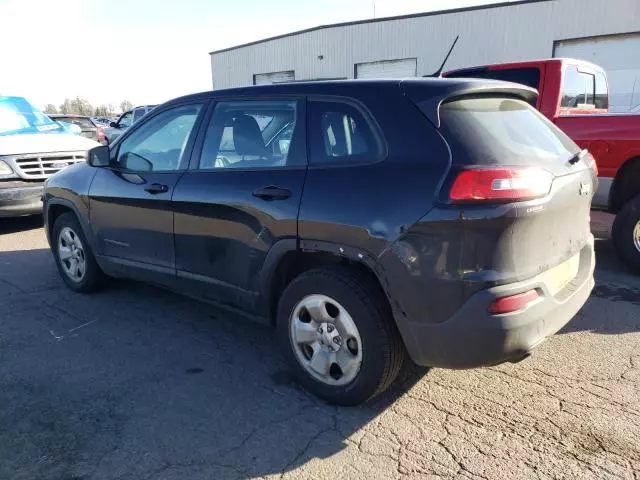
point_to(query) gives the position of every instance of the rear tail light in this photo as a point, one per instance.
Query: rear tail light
(513, 303)
(101, 134)
(500, 184)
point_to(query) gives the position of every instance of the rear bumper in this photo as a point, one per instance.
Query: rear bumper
(20, 200)
(474, 338)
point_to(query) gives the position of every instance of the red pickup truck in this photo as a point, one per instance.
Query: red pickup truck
(574, 95)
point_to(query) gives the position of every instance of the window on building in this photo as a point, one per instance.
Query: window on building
(338, 133)
(274, 77)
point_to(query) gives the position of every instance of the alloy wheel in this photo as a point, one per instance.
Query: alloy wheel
(71, 254)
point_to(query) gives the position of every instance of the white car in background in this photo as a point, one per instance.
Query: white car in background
(128, 118)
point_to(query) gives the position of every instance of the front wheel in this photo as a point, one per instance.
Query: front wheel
(626, 233)
(339, 336)
(74, 257)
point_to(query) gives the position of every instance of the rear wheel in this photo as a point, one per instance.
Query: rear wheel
(626, 233)
(74, 257)
(339, 335)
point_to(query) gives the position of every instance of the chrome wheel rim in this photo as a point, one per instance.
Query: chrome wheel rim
(636, 236)
(325, 340)
(71, 254)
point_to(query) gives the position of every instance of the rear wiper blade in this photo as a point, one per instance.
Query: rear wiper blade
(578, 156)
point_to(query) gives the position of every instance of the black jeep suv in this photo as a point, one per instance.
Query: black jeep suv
(442, 221)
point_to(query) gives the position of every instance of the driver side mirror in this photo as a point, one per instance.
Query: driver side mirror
(113, 125)
(99, 156)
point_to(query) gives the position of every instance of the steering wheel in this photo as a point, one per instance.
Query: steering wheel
(221, 162)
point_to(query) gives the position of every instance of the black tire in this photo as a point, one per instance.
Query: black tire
(383, 351)
(93, 278)
(622, 234)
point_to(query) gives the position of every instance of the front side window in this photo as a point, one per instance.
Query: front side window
(125, 120)
(250, 134)
(578, 90)
(339, 132)
(159, 144)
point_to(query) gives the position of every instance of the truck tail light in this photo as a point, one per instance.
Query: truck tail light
(513, 303)
(500, 184)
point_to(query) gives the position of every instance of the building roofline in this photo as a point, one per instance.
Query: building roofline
(383, 19)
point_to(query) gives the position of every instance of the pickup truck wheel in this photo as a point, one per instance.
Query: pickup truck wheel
(626, 233)
(74, 257)
(338, 335)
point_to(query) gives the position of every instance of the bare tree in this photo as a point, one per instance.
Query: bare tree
(50, 108)
(66, 106)
(102, 111)
(126, 105)
(80, 106)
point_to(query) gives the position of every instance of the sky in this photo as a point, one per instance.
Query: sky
(149, 51)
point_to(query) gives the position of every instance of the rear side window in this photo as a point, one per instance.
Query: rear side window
(81, 122)
(502, 131)
(339, 133)
(584, 90)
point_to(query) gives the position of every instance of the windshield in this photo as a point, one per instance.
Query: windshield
(18, 116)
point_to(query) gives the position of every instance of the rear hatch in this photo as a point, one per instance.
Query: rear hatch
(520, 187)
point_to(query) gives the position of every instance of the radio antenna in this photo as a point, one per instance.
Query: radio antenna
(438, 72)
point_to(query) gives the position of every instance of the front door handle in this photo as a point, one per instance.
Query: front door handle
(155, 188)
(272, 193)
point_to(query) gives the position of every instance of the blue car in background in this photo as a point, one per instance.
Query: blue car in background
(32, 148)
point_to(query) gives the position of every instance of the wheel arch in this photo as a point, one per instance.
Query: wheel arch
(55, 207)
(626, 184)
(287, 259)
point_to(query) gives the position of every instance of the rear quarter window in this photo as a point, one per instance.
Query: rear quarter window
(339, 133)
(507, 131)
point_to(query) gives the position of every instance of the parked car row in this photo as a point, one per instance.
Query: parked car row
(87, 126)
(125, 120)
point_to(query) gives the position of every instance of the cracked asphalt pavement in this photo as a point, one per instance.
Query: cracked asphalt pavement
(137, 383)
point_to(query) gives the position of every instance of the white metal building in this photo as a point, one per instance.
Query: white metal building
(605, 32)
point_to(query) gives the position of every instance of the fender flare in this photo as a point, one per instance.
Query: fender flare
(284, 247)
(82, 219)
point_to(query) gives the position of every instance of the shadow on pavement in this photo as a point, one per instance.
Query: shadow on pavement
(134, 382)
(20, 224)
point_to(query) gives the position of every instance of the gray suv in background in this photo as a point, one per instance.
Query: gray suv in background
(128, 118)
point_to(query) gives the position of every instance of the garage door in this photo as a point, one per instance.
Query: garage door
(274, 77)
(406, 67)
(619, 55)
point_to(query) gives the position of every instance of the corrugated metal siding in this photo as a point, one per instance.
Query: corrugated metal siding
(510, 33)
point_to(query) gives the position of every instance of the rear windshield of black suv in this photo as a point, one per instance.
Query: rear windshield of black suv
(502, 131)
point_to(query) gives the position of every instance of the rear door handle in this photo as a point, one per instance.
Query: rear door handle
(155, 188)
(272, 193)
